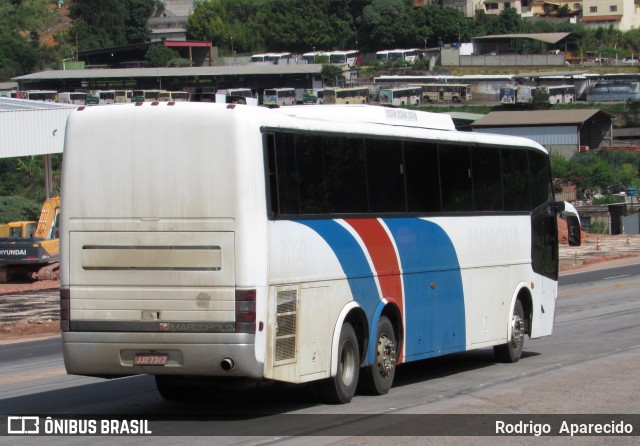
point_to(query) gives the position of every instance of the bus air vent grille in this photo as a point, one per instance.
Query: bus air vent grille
(286, 316)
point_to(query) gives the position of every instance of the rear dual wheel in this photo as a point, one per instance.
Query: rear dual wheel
(378, 378)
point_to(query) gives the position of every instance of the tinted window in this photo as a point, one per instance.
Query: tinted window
(385, 176)
(422, 178)
(487, 182)
(515, 180)
(540, 179)
(455, 174)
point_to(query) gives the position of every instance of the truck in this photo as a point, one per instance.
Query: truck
(36, 256)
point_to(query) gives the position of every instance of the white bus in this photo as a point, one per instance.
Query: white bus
(349, 58)
(445, 92)
(349, 95)
(101, 97)
(77, 97)
(311, 57)
(400, 96)
(408, 55)
(308, 243)
(272, 58)
(279, 96)
(40, 95)
(560, 94)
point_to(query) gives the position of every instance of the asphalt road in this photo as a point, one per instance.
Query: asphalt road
(588, 366)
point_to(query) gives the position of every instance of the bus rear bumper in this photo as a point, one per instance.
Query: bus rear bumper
(113, 355)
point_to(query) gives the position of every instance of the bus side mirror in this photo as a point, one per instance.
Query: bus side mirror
(568, 213)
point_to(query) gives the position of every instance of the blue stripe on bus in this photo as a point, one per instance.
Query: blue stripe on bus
(352, 260)
(433, 293)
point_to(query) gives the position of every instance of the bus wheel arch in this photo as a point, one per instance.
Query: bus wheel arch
(377, 378)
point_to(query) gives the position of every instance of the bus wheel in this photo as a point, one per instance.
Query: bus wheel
(378, 378)
(512, 350)
(341, 388)
(455, 99)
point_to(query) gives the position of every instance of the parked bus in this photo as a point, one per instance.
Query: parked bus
(300, 244)
(350, 58)
(40, 95)
(312, 56)
(272, 58)
(445, 92)
(279, 96)
(122, 96)
(240, 92)
(351, 95)
(409, 55)
(101, 97)
(524, 94)
(560, 94)
(179, 96)
(77, 97)
(400, 96)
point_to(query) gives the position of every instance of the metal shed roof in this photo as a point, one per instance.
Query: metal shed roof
(538, 118)
(114, 73)
(32, 127)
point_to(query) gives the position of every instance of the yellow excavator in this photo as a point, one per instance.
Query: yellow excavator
(36, 257)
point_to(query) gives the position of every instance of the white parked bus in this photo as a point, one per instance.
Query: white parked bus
(311, 57)
(408, 55)
(560, 94)
(101, 97)
(445, 92)
(349, 58)
(272, 58)
(77, 97)
(279, 96)
(349, 95)
(297, 244)
(400, 96)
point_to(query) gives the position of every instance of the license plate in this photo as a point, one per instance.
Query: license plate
(150, 359)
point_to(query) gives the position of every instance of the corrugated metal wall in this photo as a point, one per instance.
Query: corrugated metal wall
(32, 132)
(547, 136)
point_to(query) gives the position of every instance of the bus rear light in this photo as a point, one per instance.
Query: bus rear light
(65, 308)
(245, 311)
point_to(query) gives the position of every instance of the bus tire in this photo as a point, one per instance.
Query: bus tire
(455, 99)
(340, 389)
(378, 377)
(512, 350)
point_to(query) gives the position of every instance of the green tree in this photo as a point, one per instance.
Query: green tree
(159, 55)
(135, 23)
(98, 23)
(383, 24)
(16, 208)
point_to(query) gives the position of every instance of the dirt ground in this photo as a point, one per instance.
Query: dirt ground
(29, 327)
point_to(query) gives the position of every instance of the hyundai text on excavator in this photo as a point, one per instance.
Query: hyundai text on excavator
(37, 257)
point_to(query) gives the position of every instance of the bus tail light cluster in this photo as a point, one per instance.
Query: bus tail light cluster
(245, 311)
(65, 308)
